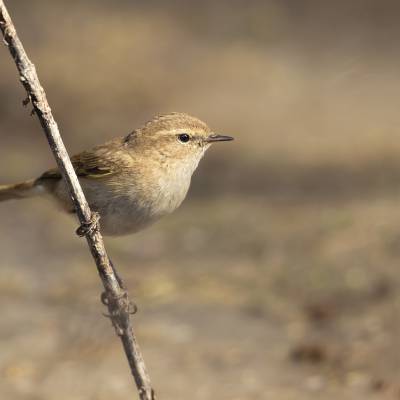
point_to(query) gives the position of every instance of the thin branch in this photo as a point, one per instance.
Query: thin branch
(115, 296)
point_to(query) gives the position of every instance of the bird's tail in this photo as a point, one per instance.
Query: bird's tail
(20, 190)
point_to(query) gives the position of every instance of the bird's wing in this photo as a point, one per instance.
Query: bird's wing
(95, 164)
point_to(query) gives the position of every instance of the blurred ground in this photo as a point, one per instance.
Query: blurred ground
(278, 277)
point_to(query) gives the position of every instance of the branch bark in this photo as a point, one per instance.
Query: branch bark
(115, 295)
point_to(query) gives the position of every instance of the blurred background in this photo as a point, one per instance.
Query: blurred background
(278, 277)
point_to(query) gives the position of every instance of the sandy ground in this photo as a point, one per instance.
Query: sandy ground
(296, 311)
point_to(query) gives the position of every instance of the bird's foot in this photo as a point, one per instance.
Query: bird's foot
(89, 227)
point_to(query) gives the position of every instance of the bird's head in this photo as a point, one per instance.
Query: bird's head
(174, 136)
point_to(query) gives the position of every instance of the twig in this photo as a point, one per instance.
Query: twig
(115, 296)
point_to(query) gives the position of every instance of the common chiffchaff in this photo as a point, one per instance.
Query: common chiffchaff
(134, 180)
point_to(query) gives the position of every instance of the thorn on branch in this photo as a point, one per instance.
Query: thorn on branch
(128, 306)
(26, 101)
(119, 310)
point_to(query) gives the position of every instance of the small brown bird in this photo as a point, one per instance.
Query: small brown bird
(134, 180)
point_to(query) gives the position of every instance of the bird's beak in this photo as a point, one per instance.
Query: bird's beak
(218, 138)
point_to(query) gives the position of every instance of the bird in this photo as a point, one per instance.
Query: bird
(131, 181)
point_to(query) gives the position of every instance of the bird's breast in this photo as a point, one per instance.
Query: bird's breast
(171, 189)
(145, 202)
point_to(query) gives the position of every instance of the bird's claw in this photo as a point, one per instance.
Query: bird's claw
(89, 227)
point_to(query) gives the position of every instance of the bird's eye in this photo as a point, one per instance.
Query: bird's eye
(184, 137)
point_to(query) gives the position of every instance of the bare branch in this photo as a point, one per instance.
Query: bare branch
(115, 296)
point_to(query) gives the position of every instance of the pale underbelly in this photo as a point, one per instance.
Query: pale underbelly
(124, 214)
(126, 220)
